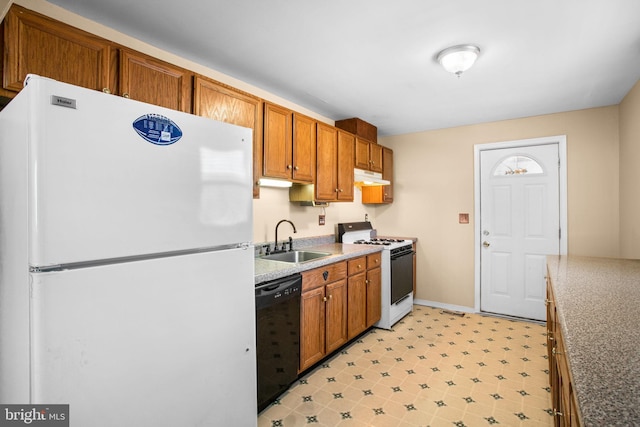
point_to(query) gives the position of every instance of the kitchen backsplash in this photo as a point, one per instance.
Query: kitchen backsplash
(298, 243)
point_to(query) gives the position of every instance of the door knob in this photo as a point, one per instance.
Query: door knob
(486, 244)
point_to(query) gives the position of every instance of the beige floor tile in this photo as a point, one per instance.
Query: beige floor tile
(432, 369)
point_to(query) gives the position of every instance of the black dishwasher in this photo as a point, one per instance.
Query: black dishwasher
(277, 336)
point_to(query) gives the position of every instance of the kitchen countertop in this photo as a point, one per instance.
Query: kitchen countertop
(266, 270)
(598, 305)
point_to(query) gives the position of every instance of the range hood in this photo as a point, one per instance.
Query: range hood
(364, 178)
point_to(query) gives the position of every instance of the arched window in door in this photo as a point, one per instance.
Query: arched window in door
(518, 165)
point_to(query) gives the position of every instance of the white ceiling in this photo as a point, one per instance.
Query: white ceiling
(375, 59)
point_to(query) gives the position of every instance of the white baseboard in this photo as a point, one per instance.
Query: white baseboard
(463, 309)
(450, 307)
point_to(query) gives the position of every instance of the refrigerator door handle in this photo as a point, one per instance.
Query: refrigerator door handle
(145, 257)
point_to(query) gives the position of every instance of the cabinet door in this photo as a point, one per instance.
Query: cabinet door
(150, 80)
(326, 169)
(384, 193)
(346, 148)
(277, 144)
(312, 327)
(375, 157)
(362, 154)
(551, 326)
(374, 295)
(387, 173)
(219, 102)
(304, 148)
(336, 315)
(357, 304)
(40, 45)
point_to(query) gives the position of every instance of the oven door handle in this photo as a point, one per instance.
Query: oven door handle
(401, 254)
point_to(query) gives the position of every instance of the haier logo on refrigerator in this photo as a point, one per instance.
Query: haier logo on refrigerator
(157, 129)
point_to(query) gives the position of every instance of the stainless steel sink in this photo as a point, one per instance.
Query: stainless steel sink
(296, 257)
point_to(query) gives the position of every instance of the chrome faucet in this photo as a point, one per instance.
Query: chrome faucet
(275, 245)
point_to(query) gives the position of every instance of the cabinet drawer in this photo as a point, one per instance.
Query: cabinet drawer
(321, 276)
(357, 265)
(374, 260)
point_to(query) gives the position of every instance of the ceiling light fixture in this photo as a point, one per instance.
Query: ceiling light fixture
(458, 59)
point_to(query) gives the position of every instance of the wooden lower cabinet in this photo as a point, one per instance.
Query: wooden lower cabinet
(563, 399)
(323, 312)
(339, 302)
(364, 293)
(374, 289)
(357, 297)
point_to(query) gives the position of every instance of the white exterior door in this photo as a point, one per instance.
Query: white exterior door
(519, 226)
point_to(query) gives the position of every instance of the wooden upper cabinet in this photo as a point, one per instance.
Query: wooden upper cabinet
(346, 147)
(384, 193)
(277, 145)
(326, 186)
(304, 148)
(219, 102)
(150, 80)
(289, 145)
(368, 155)
(375, 157)
(35, 44)
(334, 167)
(362, 154)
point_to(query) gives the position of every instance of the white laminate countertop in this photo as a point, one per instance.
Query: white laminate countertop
(266, 270)
(598, 303)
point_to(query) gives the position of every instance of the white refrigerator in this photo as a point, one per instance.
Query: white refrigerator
(126, 262)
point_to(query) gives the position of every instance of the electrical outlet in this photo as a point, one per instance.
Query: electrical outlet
(321, 219)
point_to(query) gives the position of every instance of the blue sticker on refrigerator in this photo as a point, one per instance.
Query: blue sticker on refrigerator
(157, 129)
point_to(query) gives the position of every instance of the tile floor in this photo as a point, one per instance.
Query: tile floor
(433, 369)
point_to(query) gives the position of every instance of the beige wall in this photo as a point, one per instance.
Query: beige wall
(630, 174)
(434, 177)
(274, 205)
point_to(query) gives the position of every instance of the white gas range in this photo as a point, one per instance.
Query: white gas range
(397, 269)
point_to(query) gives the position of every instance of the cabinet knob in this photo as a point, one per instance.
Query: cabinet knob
(106, 90)
(125, 95)
(556, 352)
(557, 413)
(324, 299)
(296, 168)
(337, 190)
(340, 190)
(289, 167)
(359, 266)
(366, 282)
